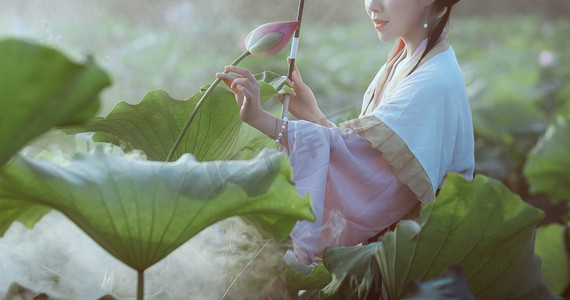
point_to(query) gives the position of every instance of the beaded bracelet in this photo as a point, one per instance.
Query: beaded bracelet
(280, 134)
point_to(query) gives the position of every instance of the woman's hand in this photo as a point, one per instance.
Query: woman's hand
(246, 90)
(302, 102)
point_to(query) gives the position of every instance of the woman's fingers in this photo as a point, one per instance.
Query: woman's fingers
(241, 71)
(241, 82)
(237, 83)
(296, 74)
(295, 70)
(227, 78)
(297, 77)
(234, 81)
(241, 76)
(246, 92)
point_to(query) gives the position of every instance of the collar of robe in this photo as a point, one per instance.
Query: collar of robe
(385, 84)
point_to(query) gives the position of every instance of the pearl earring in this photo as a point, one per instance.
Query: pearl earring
(425, 25)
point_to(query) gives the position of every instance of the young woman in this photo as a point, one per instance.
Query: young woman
(373, 171)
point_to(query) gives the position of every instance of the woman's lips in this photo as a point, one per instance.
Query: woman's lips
(379, 24)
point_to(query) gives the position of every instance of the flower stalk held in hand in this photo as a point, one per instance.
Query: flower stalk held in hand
(266, 40)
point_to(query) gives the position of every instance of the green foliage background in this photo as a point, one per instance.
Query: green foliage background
(179, 45)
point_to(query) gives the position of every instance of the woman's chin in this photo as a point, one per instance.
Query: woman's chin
(385, 37)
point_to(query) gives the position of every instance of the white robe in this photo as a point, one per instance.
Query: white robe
(368, 174)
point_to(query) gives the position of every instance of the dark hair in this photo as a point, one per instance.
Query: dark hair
(434, 32)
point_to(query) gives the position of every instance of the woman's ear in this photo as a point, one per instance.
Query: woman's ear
(442, 13)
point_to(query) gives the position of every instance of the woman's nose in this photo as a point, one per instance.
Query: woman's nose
(373, 6)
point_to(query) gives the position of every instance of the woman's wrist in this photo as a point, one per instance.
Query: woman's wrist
(254, 113)
(270, 125)
(318, 117)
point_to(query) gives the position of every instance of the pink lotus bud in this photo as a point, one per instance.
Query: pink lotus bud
(268, 39)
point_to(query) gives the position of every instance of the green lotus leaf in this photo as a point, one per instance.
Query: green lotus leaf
(505, 131)
(479, 225)
(140, 211)
(450, 285)
(40, 88)
(548, 165)
(352, 273)
(551, 247)
(496, 120)
(216, 133)
(26, 213)
(318, 278)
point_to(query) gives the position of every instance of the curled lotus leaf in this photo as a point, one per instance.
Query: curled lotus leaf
(140, 211)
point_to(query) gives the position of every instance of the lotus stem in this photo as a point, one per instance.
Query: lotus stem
(285, 108)
(200, 103)
(140, 286)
